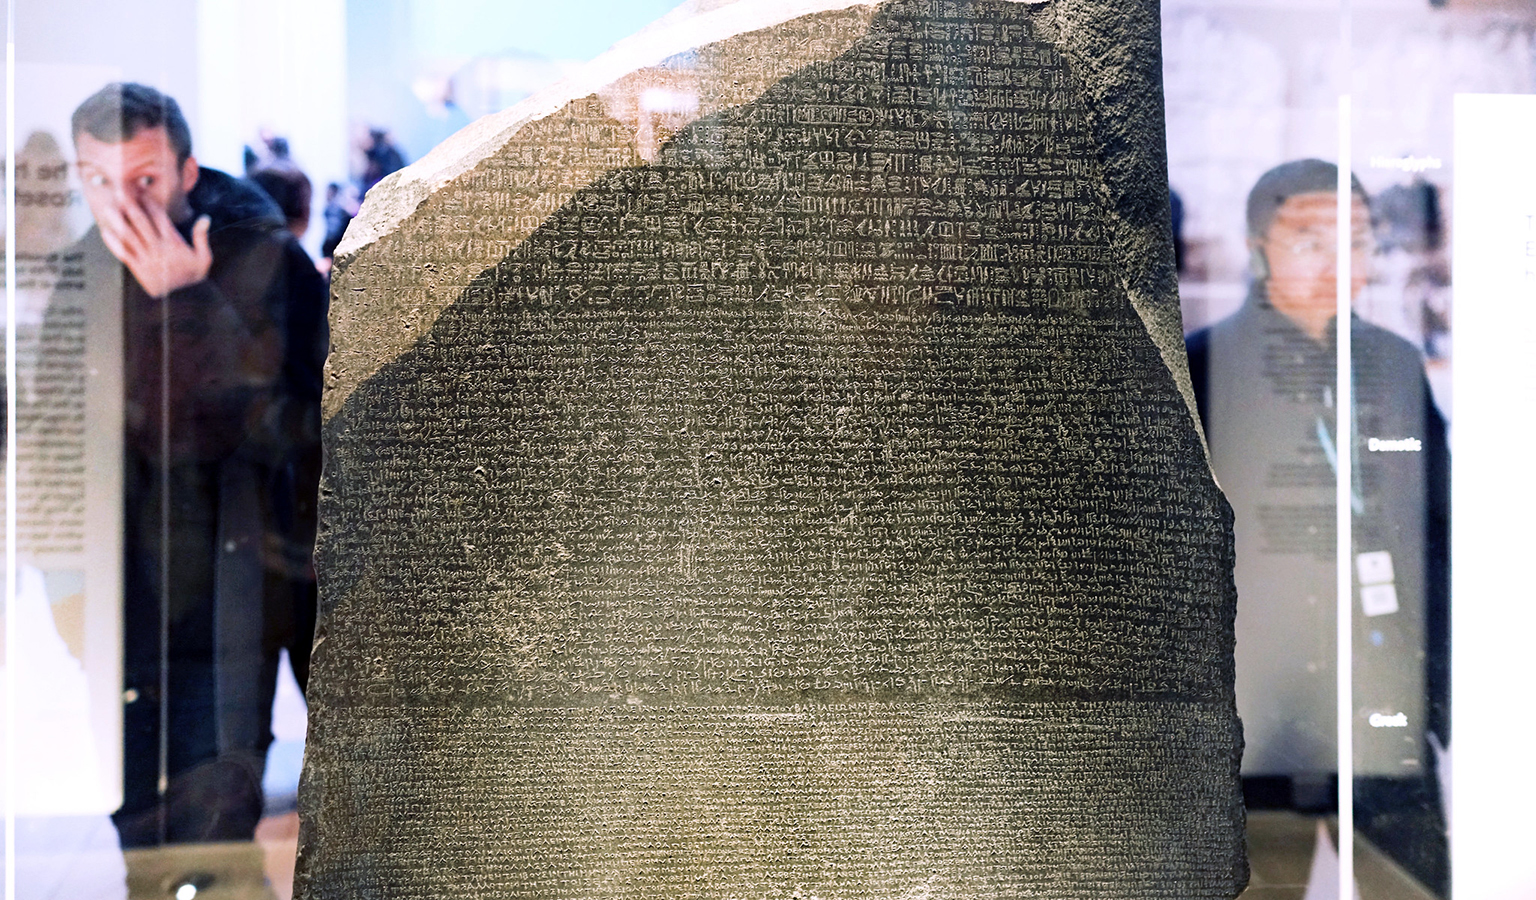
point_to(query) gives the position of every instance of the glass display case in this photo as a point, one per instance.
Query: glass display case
(168, 253)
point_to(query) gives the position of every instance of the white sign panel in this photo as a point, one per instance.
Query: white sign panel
(1493, 590)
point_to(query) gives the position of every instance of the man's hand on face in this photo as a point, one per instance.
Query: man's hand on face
(143, 237)
(136, 188)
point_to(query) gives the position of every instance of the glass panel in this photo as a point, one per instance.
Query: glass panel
(64, 632)
(170, 333)
(1252, 93)
(164, 449)
(1402, 141)
(1251, 86)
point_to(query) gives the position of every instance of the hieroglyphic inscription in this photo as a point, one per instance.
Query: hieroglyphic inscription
(807, 510)
(795, 263)
(533, 173)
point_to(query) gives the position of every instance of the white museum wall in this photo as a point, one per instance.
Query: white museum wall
(153, 41)
(278, 66)
(1494, 608)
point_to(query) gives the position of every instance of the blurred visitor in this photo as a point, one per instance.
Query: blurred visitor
(1411, 229)
(380, 158)
(275, 172)
(1176, 212)
(223, 339)
(1265, 383)
(340, 207)
(42, 197)
(271, 152)
(47, 211)
(290, 189)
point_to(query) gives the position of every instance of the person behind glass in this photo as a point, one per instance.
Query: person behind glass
(291, 190)
(222, 351)
(381, 157)
(1265, 385)
(340, 207)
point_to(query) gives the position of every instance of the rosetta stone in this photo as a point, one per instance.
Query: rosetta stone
(764, 466)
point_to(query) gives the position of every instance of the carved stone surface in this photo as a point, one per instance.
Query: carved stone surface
(763, 468)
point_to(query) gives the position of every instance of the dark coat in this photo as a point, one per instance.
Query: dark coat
(1265, 394)
(225, 426)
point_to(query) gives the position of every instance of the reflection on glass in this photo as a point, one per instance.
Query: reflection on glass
(1248, 84)
(170, 447)
(1265, 382)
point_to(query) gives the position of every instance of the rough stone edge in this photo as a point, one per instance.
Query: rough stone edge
(1115, 50)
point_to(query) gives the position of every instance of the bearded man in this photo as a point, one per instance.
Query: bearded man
(223, 340)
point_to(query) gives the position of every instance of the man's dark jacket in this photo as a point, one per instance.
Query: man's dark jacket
(221, 422)
(1262, 387)
(1265, 392)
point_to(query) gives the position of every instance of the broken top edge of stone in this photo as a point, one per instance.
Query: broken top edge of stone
(397, 196)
